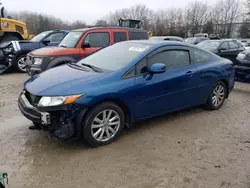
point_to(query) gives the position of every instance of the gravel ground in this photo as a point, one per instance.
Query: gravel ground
(193, 148)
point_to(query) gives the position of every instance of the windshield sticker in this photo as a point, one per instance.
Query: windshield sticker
(138, 49)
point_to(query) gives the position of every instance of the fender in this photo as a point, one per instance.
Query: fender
(60, 61)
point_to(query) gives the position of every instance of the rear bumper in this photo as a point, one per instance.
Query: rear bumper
(62, 122)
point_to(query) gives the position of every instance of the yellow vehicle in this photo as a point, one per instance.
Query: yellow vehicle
(132, 23)
(11, 29)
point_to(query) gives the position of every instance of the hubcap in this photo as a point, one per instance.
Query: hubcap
(218, 95)
(105, 125)
(21, 64)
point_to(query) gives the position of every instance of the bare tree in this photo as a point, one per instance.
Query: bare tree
(139, 12)
(225, 13)
(101, 23)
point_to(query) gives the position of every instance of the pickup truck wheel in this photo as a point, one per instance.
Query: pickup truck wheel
(103, 124)
(20, 64)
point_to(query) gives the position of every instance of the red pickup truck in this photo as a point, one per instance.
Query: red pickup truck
(78, 44)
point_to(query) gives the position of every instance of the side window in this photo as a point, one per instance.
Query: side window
(171, 58)
(236, 45)
(97, 39)
(130, 73)
(19, 29)
(142, 67)
(201, 56)
(55, 37)
(120, 36)
(232, 45)
(138, 35)
(224, 45)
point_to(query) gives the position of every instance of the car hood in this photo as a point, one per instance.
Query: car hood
(57, 80)
(22, 45)
(54, 51)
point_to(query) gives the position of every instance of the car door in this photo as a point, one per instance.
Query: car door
(174, 89)
(224, 50)
(54, 38)
(234, 50)
(96, 40)
(207, 73)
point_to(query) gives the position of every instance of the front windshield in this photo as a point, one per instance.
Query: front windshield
(40, 36)
(71, 39)
(209, 45)
(116, 56)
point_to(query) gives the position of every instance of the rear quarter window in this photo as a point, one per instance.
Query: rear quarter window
(199, 56)
(138, 35)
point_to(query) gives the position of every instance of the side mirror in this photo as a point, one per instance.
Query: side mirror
(85, 45)
(157, 68)
(46, 42)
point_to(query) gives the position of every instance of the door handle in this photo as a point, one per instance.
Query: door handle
(189, 73)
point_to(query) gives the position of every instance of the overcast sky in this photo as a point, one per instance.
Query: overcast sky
(87, 10)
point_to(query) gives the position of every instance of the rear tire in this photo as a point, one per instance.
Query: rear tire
(217, 96)
(103, 124)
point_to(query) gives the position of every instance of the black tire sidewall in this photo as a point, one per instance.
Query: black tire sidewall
(210, 104)
(91, 115)
(15, 64)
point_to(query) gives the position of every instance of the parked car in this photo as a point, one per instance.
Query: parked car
(195, 40)
(122, 84)
(213, 36)
(201, 35)
(242, 67)
(225, 48)
(247, 46)
(15, 52)
(171, 38)
(79, 44)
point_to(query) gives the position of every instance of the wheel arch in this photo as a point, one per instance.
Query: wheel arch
(122, 105)
(227, 85)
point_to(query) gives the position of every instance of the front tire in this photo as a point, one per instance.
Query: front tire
(217, 96)
(20, 65)
(103, 124)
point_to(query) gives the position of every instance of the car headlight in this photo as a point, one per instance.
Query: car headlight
(38, 61)
(58, 100)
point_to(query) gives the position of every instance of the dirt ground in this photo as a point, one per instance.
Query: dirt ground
(193, 148)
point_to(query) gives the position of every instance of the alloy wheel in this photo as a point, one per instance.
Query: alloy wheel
(218, 95)
(21, 64)
(105, 125)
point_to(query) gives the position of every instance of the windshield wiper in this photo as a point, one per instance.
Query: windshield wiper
(63, 46)
(96, 69)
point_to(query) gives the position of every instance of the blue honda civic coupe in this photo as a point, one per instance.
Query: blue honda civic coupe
(129, 81)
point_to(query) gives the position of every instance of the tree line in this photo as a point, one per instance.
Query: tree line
(194, 18)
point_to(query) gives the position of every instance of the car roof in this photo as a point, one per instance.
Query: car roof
(159, 43)
(222, 40)
(96, 28)
(166, 37)
(59, 30)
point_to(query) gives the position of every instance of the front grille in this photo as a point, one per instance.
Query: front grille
(34, 100)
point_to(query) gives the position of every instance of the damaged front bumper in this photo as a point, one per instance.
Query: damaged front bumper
(62, 122)
(5, 63)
